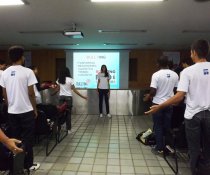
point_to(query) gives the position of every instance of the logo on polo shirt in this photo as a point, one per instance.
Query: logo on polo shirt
(205, 71)
(168, 75)
(13, 73)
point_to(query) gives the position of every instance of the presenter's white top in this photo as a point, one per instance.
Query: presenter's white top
(195, 81)
(37, 95)
(104, 81)
(164, 82)
(65, 89)
(16, 80)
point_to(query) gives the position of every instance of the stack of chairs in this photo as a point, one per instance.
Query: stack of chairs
(49, 124)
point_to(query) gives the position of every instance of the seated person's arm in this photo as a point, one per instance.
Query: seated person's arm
(56, 90)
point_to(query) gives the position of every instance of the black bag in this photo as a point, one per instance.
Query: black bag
(5, 158)
(11, 162)
(148, 140)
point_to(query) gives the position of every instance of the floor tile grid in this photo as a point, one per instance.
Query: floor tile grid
(118, 126)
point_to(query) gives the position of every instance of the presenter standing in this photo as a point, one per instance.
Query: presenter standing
(103, 88)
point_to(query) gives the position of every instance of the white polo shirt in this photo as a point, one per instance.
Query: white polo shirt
(164, 82)
(195, 81)
(65, 89)
(16, 80)
(104, 81)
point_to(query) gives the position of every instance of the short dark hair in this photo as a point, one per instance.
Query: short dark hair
(15, 53)
(163, 61)
(201, 47)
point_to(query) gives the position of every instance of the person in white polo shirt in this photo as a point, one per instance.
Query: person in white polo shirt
(17, 82)
(66, 88)
(195, 85)
(162, 88)
(103, 88)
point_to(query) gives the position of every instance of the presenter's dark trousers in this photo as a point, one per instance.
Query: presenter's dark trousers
(103, 93)
(22, 127)
(198, 138)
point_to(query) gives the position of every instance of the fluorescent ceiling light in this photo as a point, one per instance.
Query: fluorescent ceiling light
(11, 2)
(125, 0)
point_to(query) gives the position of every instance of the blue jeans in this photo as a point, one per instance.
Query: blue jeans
(198, 138)
(162, 124)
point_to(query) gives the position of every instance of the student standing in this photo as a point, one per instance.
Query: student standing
(195, 85)
(162, 88)
(65, 88)
(103, 88)
(17, 82)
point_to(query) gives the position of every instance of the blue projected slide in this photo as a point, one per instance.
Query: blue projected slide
(87, 65)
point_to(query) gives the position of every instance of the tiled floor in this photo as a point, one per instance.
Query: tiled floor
(102, 146)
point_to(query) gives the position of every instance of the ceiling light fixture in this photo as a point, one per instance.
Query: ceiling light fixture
(11, 2)
(126, 0)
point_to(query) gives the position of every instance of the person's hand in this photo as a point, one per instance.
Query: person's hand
(153, 109)
(146, 97)
(11, 145)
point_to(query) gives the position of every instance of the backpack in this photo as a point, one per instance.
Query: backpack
(146, 137)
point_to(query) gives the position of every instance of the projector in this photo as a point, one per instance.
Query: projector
(73, 34)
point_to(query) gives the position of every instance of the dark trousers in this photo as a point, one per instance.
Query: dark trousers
(69, 101)
(198, 138)
(103, 93)
(22, 127)
(162, 124)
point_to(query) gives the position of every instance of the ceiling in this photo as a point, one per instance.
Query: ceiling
(168, 25)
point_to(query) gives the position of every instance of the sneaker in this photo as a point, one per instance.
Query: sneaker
(71, 131)
(101, 115)
(109, 115)
(34, 167)
(157, 152)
